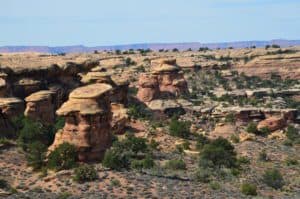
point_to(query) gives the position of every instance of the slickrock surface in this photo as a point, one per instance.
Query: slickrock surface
(88, 115)
(40, 106)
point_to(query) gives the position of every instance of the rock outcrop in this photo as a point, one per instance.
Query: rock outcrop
(40, 106)
(88, 118)
(25, 87)
(119, 118)
(165, 81)
(11, 107)
(272, 123)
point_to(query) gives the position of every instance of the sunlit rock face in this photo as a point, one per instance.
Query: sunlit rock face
(40, 106)
(166, 81)
(88, 118)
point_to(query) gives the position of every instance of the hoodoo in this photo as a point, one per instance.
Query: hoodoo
(88, 118)
(165, 81)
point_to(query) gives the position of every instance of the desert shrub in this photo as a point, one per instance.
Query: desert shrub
(252, 128)
(202, 175)
(129, 61)
(293, 135)
(124, 152)
(59, 124)
(63, 157)
(214, 185)
(179, 128)
(114, 159)
(273, 178)
(36, 155)
(234, 138)
(275, 46)
(145, 163)
(115, 182)
(201, 141)
(264, 131)
(153, 144)
(3, 184)
(249, 189)
(291, 162)
(243, 160)
(33, 131)
(138, 111)
(218, 153)
(230, 118)
(85, 173)
(176, 164)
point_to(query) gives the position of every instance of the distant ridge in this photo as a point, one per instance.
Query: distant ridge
(152, 46)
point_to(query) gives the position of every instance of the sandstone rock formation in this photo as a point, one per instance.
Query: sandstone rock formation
(119, 118)
(40, 106)
(11, 107)
(165, 81)
(87, 121)
(25, 87)
(272, 123)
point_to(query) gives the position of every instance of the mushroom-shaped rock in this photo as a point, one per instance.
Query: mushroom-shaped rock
(2, 87)
(165, 81)
(40, 106)
(88, 117)
(11, 106)
(25, 87)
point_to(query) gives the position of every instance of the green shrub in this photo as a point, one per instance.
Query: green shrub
(264, 131)
(3, 184)
(234, 138)
(153, 144)
(273, 178)
(230, 118)
(145, 163)
(123, 152)
(63, 157)
(215, 185)
(138, 111)
(202, 175)
(218, 153)
(252, 128)
(249, 189)
(201, 141)
(293, 135)
(36, 155)
(115, 182)
(179, 128)
(243, 160)
(33, 131)
(291, 162)
(85, 173)
(176, 164)
(115, 159)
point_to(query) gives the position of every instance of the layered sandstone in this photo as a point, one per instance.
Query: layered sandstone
(165, 81)
(88, 117)
(11, 107)
(40, 106)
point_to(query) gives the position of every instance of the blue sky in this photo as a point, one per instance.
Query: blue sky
(109, 22)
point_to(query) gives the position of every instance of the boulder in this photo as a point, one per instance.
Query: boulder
(88, 118)
(272, 123)
(2, 87)
(40, 106)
